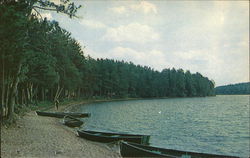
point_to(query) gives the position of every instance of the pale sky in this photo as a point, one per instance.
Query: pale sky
(210, 37)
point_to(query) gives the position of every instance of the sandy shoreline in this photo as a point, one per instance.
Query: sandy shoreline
(37, 136)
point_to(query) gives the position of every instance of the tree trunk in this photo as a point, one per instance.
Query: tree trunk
(68, 95)
(43, 91)
(3, 89)
(17, 98)
(23, 97)
(30, 93)
(51, 94)
(35, 94)
(13, 91)
(58, 92)
(79, 93)
(7, 98)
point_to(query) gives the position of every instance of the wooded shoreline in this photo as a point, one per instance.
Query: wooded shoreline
(41, 61)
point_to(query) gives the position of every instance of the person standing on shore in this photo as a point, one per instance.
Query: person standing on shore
(56, 104)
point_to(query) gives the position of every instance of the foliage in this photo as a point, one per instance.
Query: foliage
(240, 88)
(122, 79)
(24, 48)
(41, 62)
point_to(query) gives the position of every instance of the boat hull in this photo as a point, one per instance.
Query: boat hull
(128, 149)
(105, 137)
(62, 114)
(71, 121)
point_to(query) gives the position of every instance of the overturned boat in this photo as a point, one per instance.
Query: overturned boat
(72, 121)
(62, 114)
(106, 137)
(129, 149)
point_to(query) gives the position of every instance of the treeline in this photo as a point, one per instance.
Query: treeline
(41, 61)
(240, 88)
(109, 78)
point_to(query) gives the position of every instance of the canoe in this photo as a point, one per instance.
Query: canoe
(106, 137)
(71, 121)
(62, 114)
(129, 149)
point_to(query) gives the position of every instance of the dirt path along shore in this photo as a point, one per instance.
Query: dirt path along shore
(37, 136)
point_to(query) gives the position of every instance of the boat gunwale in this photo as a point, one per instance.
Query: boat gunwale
(104, 136)
(122, 134)
(137, 146)
(147, 151)
(61, 114)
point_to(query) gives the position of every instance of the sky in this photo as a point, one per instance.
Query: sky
(209, 37)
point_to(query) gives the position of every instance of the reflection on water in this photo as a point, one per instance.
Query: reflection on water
(218, 125)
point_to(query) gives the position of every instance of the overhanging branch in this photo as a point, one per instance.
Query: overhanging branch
(38, 13)
(44, 8)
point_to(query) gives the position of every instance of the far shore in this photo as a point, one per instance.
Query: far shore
(232, 94)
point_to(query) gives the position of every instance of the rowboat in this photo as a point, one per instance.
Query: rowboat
(106, 137)
(129, 149)
(71, 121)
(62, 114)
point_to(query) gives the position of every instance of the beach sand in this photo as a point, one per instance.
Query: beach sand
(38, 136)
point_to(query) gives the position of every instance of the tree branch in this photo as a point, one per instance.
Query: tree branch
(50, 9)
(44, 8)
(38, 13)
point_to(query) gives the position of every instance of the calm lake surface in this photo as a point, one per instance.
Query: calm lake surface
(218, 125)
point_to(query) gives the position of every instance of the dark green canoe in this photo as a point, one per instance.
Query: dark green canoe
(106, 137)
(71, 121)
(62, 114)
(129, 149)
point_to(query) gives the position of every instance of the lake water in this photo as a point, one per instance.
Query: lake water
(218, 125)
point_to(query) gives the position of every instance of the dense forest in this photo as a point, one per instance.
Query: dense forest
(41, 61)
(240, 88)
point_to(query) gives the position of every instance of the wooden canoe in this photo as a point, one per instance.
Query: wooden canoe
(106, 137)
(71, 121)
(62, 114)
(129, 149)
